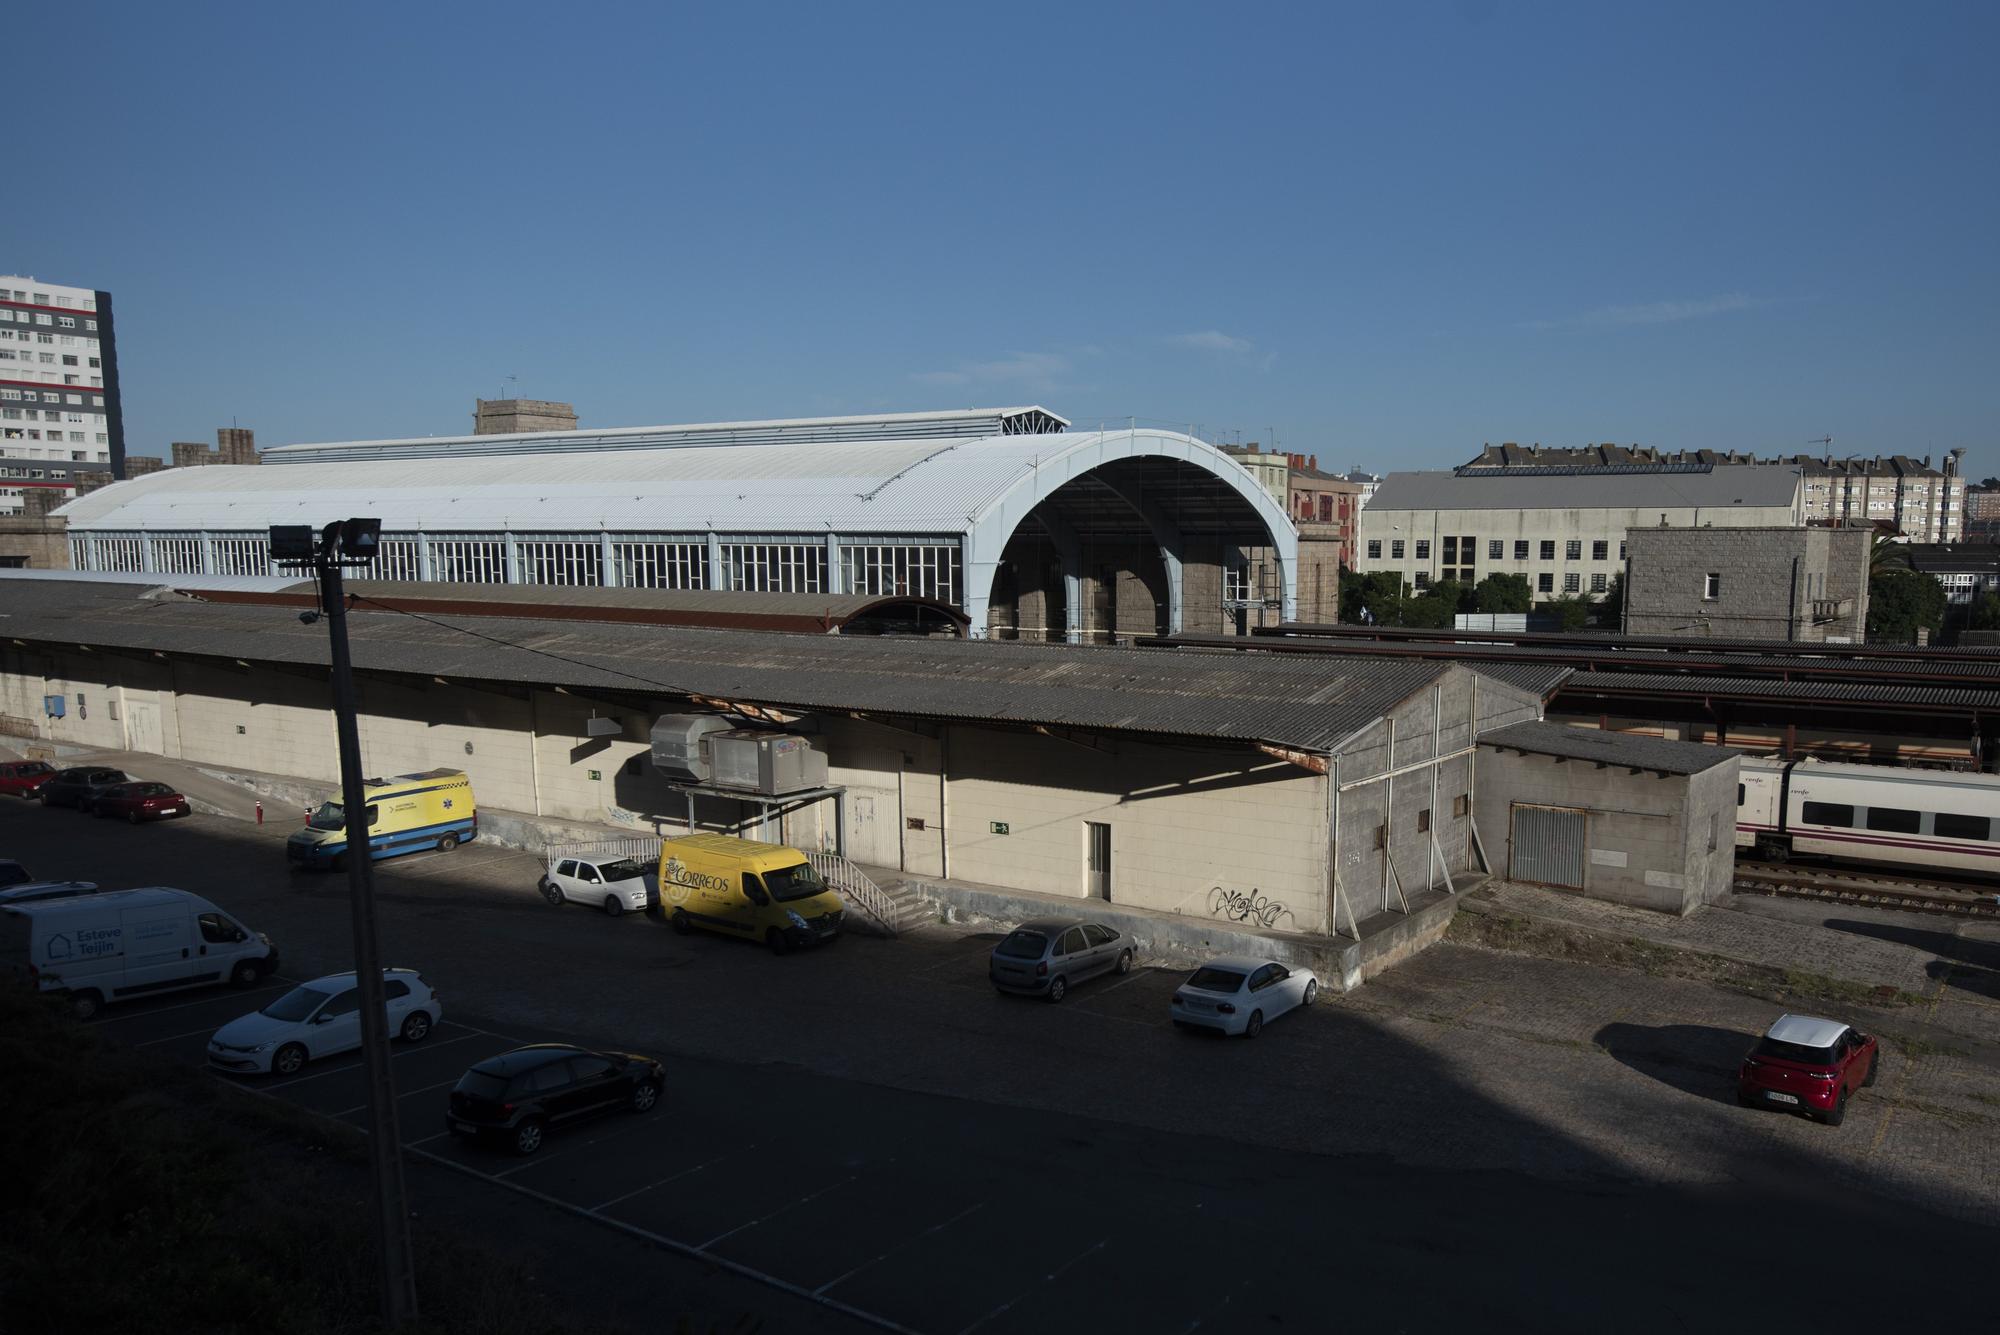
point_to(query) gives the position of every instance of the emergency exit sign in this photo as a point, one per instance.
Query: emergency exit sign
(998, 827)
(597, 776)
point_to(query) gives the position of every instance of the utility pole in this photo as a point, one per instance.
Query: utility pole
(353, 542)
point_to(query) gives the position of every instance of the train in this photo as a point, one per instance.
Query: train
(1929, 820)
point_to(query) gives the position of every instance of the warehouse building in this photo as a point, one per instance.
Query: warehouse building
(1331, 803)
(1029, 529)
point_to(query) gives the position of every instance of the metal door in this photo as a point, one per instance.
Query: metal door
(142, 727)
(1097, 860)
(1546, 846)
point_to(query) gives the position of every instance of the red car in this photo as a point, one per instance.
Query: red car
(141, 801)
(1809, 1065)
(21, 778)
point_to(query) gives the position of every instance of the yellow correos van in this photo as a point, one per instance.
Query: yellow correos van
(764, 892)
(406, 814)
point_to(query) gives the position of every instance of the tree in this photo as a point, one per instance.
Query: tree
(1984, 614)
(1573, 608)
(1379, 592)
(1901, 602)
(1503, 593)
(1611, 607)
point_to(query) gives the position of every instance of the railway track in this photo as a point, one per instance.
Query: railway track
(1959, 898)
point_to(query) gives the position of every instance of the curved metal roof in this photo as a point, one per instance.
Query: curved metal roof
(942, 486)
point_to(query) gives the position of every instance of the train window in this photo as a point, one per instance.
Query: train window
(1895, 820)
(1828, 813)
(1949, 826)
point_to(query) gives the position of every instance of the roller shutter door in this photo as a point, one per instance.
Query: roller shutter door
(1547, 846)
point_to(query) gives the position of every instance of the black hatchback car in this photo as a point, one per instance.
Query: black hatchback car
(79, 787)
(516, 1097)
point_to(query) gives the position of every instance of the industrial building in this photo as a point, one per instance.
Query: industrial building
(1805, 584)
(1329, 802)
(1031, 530)
(1561, 527)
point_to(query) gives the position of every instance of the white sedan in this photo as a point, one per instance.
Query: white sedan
(1235, 995)
(611, 884)
(320, 1018)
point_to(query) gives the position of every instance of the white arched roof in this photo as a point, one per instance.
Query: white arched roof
(978, 486)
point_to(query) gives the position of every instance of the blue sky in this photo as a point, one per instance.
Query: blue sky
(1386, 233)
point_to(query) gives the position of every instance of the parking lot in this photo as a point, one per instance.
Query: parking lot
(874, 1136)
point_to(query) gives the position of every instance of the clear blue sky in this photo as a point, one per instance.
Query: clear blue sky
(1391, 233)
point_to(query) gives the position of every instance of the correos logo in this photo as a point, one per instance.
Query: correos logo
(677, 882)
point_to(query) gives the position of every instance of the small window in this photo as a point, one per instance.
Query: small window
(1895, 820)
(545, 1078)
(1521, 549)
(567, 867)
(1600, 550)
(1450, 551)
(218, 930)
(1094, 936)
(1621, 551)
(1597, 583)
(1572, 582)
(588, 1068)
(1374, 549)
(1549, 550)
(1835, 814)
(1381, 836)
(1948, 825)
(1395, 549)
(1494, 549)
(753, 889)
(1461, 804)
(1545, 583)
(1423, 820)
(347, 1003)
(1573, 549)
(1423, 549)
(1071, 943)
(1711, 586)
(1423, 579)
(588, 874)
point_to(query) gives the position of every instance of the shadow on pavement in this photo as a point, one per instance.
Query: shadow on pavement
(1693, 1058)
(1945, 945)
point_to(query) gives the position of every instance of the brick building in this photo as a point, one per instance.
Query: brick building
(233, 445)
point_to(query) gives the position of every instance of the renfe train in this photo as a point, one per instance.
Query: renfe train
(1929, 819)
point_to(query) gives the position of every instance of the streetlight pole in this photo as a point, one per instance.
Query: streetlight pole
(342, 544)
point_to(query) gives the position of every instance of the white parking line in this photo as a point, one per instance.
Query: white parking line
(401, 1094)
(934, 1228)
(351, 1066)
(780, 1210)
(1049, 1278)
(192, 1033)
(675, 1178)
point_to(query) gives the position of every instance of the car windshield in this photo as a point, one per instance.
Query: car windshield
(1216, 980)
(13, 873)
(483, 1085)
(626, 869)
(329, 817)
(1023, 946)
(1794, 1052)
(793, 883)
(295, 1005)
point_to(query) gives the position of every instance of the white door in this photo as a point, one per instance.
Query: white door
(337, 1027)
(142, 726)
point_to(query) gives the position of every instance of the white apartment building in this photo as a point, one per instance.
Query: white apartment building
(1562, 527)
(59, 409)
(1925, 504)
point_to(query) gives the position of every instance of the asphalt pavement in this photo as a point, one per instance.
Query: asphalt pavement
(868, 1137)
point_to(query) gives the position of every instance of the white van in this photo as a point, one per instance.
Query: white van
(130, 943)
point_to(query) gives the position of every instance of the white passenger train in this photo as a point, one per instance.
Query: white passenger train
(1927, 819)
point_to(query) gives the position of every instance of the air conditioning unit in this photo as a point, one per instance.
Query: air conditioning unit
(770, 764)
(680, 746)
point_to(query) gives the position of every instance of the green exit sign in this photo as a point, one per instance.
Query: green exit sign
(998, 827)
(597, 776)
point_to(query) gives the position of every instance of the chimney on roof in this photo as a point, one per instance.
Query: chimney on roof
(1312, 462)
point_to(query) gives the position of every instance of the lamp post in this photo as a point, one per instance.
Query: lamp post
(353, 542)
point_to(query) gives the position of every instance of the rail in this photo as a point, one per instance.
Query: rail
(1925, 896)
(646, 847)
(856, 887)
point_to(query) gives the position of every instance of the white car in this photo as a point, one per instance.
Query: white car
(1237, 995)
(320, 1018)
(612, 884)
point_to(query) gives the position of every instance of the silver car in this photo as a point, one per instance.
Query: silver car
(1045, 957)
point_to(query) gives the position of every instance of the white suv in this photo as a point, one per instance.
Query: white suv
(320, 1018)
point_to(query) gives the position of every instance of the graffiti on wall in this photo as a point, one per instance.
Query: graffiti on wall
(1246, 907)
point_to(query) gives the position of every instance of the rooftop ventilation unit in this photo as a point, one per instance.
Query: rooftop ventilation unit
(681, 748)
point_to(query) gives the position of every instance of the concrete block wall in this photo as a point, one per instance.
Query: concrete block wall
(1769, 579)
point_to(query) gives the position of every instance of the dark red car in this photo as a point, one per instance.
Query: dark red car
(141, 801)
(1809, 1065)
(23, 778)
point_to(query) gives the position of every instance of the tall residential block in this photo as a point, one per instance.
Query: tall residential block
(59, 406)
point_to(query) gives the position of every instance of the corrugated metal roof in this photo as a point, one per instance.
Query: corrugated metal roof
(1763, 486)
(1870, 693)
(1310, 705)
(1609, 748)
(858, 487)
(965, 422)
(196, 583)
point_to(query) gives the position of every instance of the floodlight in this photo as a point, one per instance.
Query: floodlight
(292, 543)
(359, 539)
